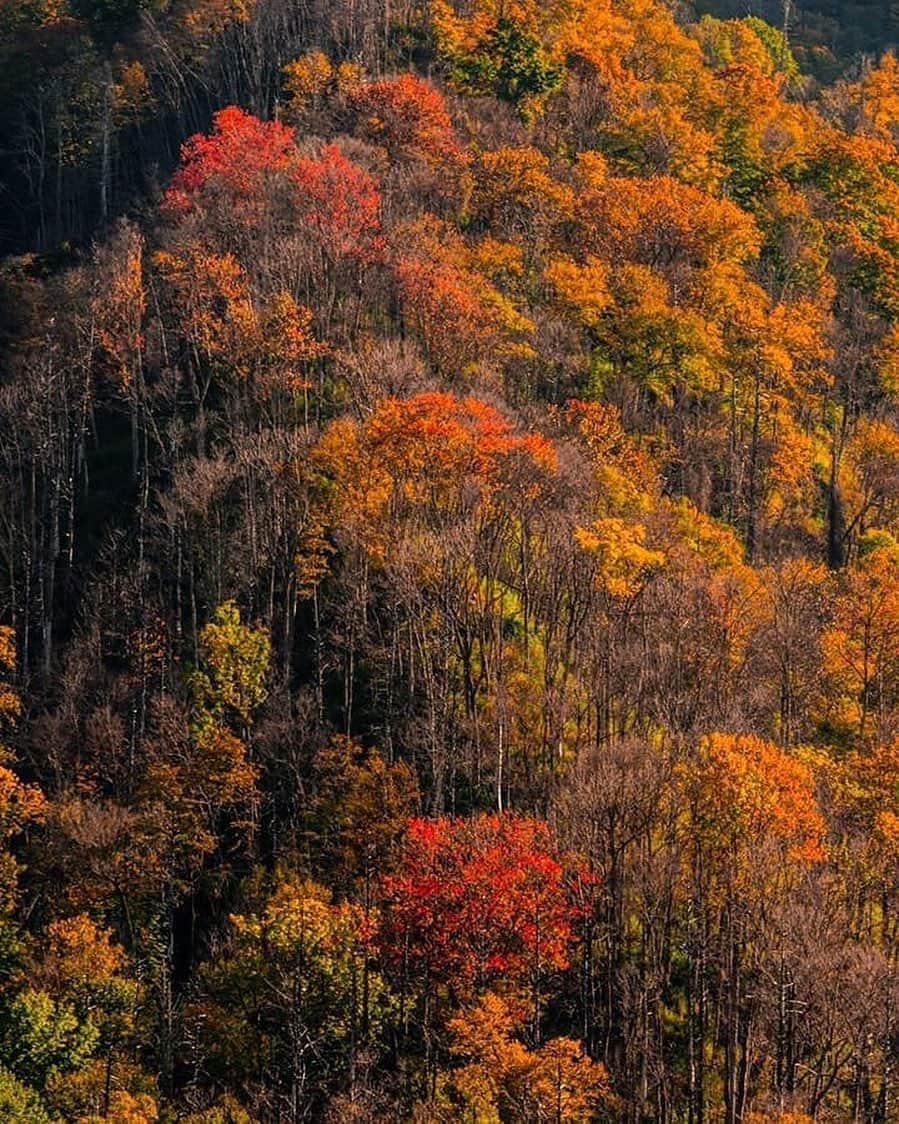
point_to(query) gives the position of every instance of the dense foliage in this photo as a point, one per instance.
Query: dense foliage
(449, 562)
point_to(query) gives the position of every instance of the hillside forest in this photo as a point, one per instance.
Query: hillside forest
(449, 562)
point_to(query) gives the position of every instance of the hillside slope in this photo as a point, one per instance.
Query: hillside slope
(449, 565)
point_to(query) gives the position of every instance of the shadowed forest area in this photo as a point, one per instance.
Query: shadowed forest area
(449, 562)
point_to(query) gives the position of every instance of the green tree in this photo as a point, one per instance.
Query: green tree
(293, 1002)
(18, 1103)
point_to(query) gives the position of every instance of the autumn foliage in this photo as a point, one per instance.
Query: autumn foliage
(236, 157)
(478, 900)
(449, 562)
(409, 117)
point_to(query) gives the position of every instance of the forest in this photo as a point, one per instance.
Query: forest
(449, 562)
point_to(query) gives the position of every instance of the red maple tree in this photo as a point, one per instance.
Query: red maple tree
(478, 899)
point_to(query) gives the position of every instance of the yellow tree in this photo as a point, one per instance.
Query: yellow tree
(118, 309)
(21, 805)
(293, 1001)
(861, 670)
(517, 195)
(502, 1078)
(751, 825)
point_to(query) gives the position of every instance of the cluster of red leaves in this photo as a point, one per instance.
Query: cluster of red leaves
(440, 441)
(409, 117)
(445, 312)
(457, 315)
(239, 153)
(334, 199)
(467, 431)
(341, 204)
(478, 899)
